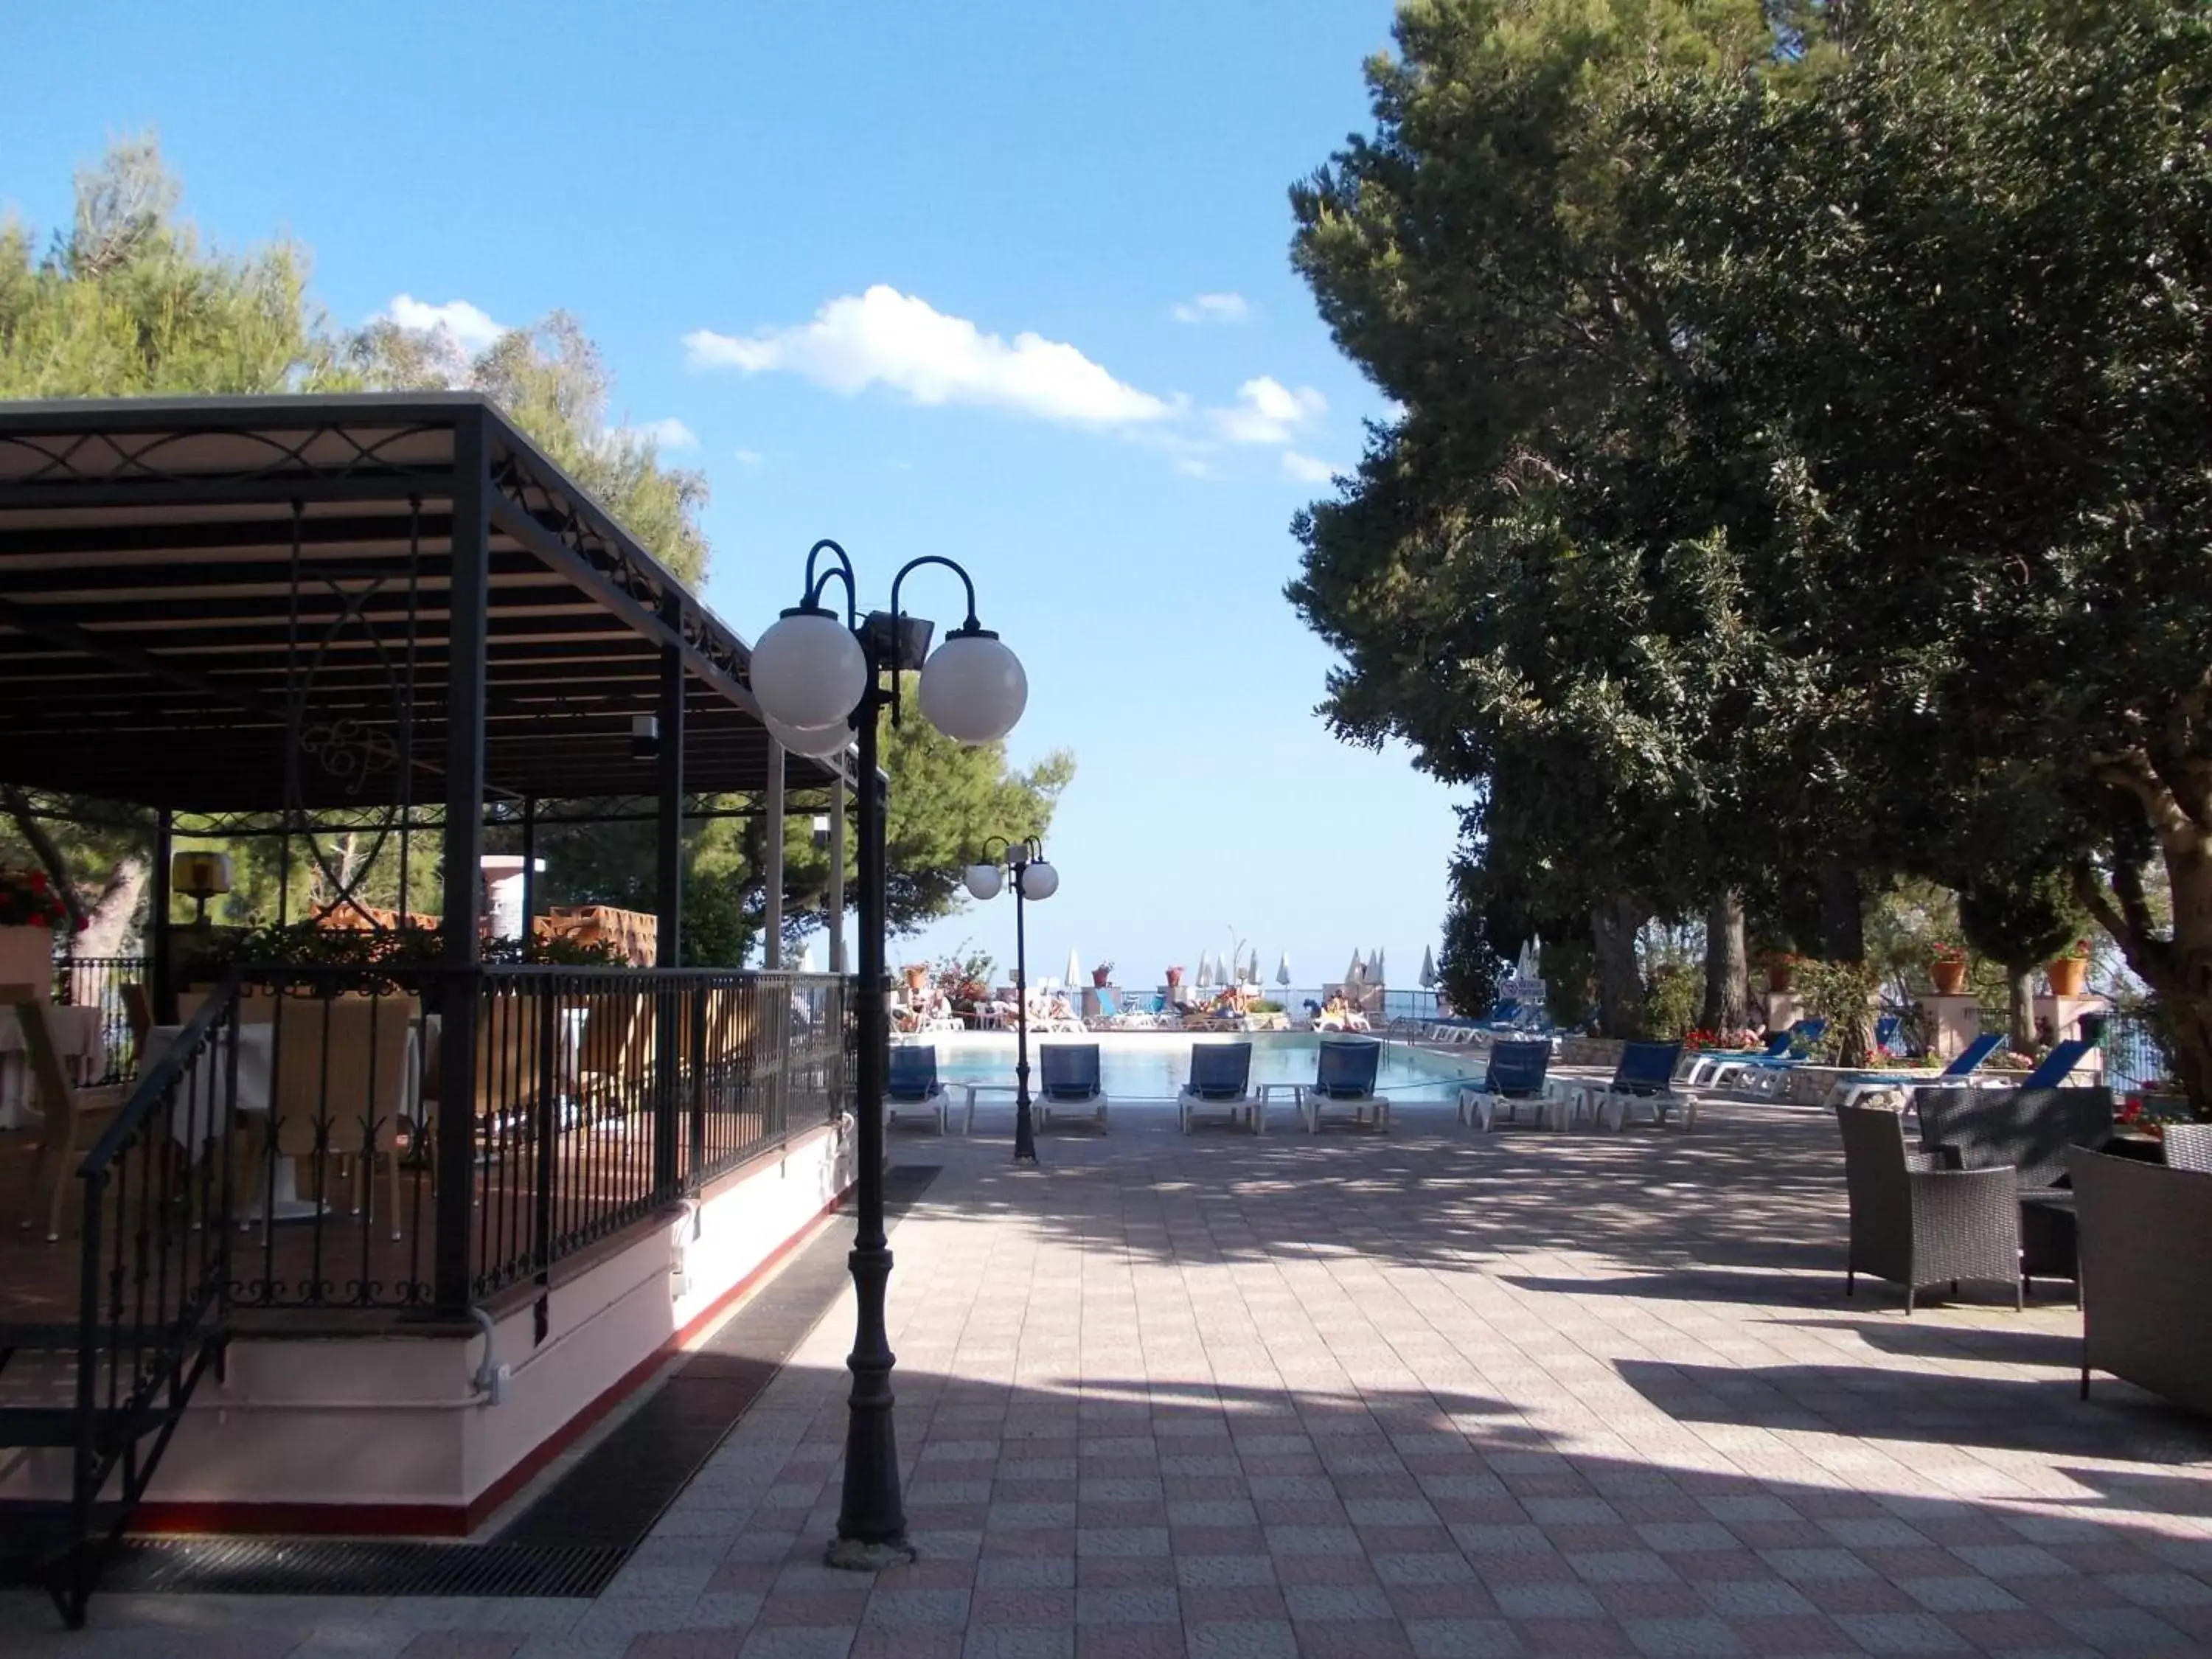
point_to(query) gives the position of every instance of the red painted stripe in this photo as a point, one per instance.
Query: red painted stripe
(258, 1518)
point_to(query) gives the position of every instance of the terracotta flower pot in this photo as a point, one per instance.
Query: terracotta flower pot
(916, 977)
(1781, 978)
(2068, 974)
(1174, 976)
(1098, 976)
(1950, 978)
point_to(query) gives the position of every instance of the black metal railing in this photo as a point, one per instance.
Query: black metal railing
(2136, 1056)
(422, 1137)
(154, 1287)
(99, 982)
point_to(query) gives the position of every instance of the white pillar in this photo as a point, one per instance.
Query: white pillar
(837, 876)
(772, 861)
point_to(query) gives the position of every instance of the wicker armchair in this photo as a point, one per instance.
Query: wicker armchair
(2189, 1146)
(2033, 1131)
(1915, 1225)
(2146, 1276)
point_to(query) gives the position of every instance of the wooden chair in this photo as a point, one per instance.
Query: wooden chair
(507, 1069)
(615, 1060)
(341, 1081)
(139, 1013)
(66, 1110)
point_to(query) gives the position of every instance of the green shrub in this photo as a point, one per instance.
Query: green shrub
(1672, 1003)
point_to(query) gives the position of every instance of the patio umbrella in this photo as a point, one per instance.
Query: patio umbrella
(1204, 967)
(1428, 969)
(1352, 974)
(806, 959)
(1074, 968)
(1375, 967)
(1526, 968)
(1283, 970)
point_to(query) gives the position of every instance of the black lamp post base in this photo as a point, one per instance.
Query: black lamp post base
(856, 1555)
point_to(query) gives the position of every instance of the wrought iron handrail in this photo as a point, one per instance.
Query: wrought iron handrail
(153, 1293)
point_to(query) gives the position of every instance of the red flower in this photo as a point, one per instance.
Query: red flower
(38, 881)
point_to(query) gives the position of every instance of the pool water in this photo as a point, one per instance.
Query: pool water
(1155, 1065)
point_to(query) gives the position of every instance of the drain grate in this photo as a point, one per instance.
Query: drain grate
(609, 1501)
(264, 1566)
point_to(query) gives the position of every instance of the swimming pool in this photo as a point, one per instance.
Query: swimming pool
(1155, 1065)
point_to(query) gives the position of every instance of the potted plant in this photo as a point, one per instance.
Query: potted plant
(2069, 972)
(30, 910)
(917, 976)
(1781, 974)
(1174, 977)
(1947, 966)
(1102, 974)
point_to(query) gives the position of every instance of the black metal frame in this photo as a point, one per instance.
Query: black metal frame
(398, 613)
(1019, 856)
(871, 1516)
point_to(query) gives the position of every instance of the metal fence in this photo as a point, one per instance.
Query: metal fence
(99, 983)
(411, 1137)
(2136, 1055)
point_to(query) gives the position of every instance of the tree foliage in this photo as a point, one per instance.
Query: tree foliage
(1803, 470)
(127, 302)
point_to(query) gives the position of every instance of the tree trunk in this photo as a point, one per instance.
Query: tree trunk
(2020, 984)
(108, 924)
(1614, 924)
(1727, 977)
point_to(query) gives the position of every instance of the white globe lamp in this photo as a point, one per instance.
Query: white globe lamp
(1039, 880)
(984, 881)
(820, 743)
(808, 671)
(973, 689)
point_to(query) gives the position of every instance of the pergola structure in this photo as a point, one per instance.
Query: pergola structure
(382, 609)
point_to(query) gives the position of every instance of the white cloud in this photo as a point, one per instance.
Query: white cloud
(883, 337)
(468, 327)
(749, 456)
(1268, 412)
(1191, 467)
(1212, 308)
(1305, 469)
(671, 433)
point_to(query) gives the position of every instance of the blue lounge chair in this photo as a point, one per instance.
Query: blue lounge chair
(1885, 1032)
(1220, 1081)
(1709, 1068)
(1070, 1081)
(1516, 1074)
(1646, 1076)
(2053, 1069)
(1344, 1075)
(1112, 1013)
(1850, 1091)
(913, 1084)
(1767, 1074)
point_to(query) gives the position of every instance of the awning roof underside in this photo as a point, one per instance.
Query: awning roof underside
(240, 604)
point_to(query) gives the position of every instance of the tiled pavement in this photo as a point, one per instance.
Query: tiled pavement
(1433, 1395)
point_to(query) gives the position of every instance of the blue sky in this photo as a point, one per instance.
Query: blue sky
(926, 278)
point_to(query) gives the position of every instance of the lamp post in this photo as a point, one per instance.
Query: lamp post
(1033, 879)
(819, 680)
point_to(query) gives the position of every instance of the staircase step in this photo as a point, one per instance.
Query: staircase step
(35, 1529)
(26, 1336)
(56, 1425)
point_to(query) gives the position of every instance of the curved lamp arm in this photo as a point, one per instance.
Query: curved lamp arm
(970, 626)
(843, 570)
